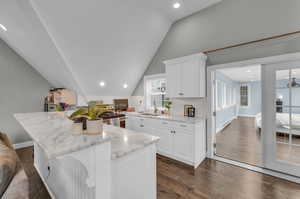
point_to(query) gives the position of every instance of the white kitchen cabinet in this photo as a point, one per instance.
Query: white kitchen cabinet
(164, 145)
(183, 145)
(181, 141)
(130, 123)
(186, 76)
(173, 79)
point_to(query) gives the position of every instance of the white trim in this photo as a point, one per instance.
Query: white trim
(258, 169)
(160, 75)
(185, 58)
(23, 145)
(224, 125)
(44, 182)
(246, 115)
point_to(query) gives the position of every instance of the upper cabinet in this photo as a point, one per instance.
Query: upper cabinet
(186, 76)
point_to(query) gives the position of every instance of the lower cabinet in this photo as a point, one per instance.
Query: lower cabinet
(183, 146)
(178, 140)
(165, 144)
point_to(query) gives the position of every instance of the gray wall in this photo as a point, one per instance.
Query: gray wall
(231, 22)
(21, 90)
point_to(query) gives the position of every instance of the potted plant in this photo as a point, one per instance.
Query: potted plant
(168, 105)
(91, 118)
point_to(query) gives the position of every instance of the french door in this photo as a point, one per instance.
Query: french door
(281, 117)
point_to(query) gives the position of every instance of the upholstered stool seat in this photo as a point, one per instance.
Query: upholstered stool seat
(13, 180)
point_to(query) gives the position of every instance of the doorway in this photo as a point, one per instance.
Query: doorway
(238, 110)
(265, 147)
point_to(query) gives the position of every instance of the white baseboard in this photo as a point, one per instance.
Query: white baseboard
(218, 130)
(23, 145)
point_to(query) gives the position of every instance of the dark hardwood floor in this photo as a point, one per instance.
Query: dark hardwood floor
(217, 180)
(37, 188)
(241, 141)
(211, 180)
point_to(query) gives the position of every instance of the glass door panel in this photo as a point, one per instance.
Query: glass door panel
(287, 116)
(282, 117)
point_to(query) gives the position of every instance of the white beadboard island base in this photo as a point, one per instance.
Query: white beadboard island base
(132, 176)
(118, 164)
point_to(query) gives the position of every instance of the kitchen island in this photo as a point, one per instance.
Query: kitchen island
(119, 163)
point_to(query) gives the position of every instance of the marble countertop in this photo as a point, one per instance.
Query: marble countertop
(124, 141)
(54, 133)
(191, 120)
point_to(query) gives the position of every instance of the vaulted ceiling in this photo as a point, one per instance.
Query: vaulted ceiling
(77, 44)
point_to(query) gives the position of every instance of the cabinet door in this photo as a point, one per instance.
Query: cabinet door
(183, 145)
(190, 74)
(173, 80)
(164, 145)
(129, 123)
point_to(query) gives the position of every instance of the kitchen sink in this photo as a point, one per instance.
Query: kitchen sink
(150, 114)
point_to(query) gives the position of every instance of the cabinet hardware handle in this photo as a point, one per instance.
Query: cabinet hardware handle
(165, 122)
(183, 125)
(141, 125)
(180, 93)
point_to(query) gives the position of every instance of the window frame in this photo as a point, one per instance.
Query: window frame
(248, 95)
(146, 79)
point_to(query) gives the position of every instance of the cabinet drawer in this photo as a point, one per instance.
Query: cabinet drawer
(165, 124)
(184, 126)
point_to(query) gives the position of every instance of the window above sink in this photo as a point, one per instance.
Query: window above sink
(155, 92)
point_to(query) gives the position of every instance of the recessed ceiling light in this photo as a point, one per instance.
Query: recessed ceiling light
(102, 83)
(248, 71)
(176, 5)
(125, 85)
(3, 27)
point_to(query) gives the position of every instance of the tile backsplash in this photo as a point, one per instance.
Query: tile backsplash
(198, 103)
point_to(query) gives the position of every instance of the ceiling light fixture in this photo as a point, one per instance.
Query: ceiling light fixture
(125, 85)
(3, 27)
(248, 71)
(102, 83)
(176, 5)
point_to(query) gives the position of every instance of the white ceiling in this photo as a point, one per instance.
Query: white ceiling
(27, 36)
(253, 73)
(243, 74)
(77, 44)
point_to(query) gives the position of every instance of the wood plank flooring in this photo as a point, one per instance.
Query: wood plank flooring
(37, 188)
(241, 141)
(217, 180)
(212, 180)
